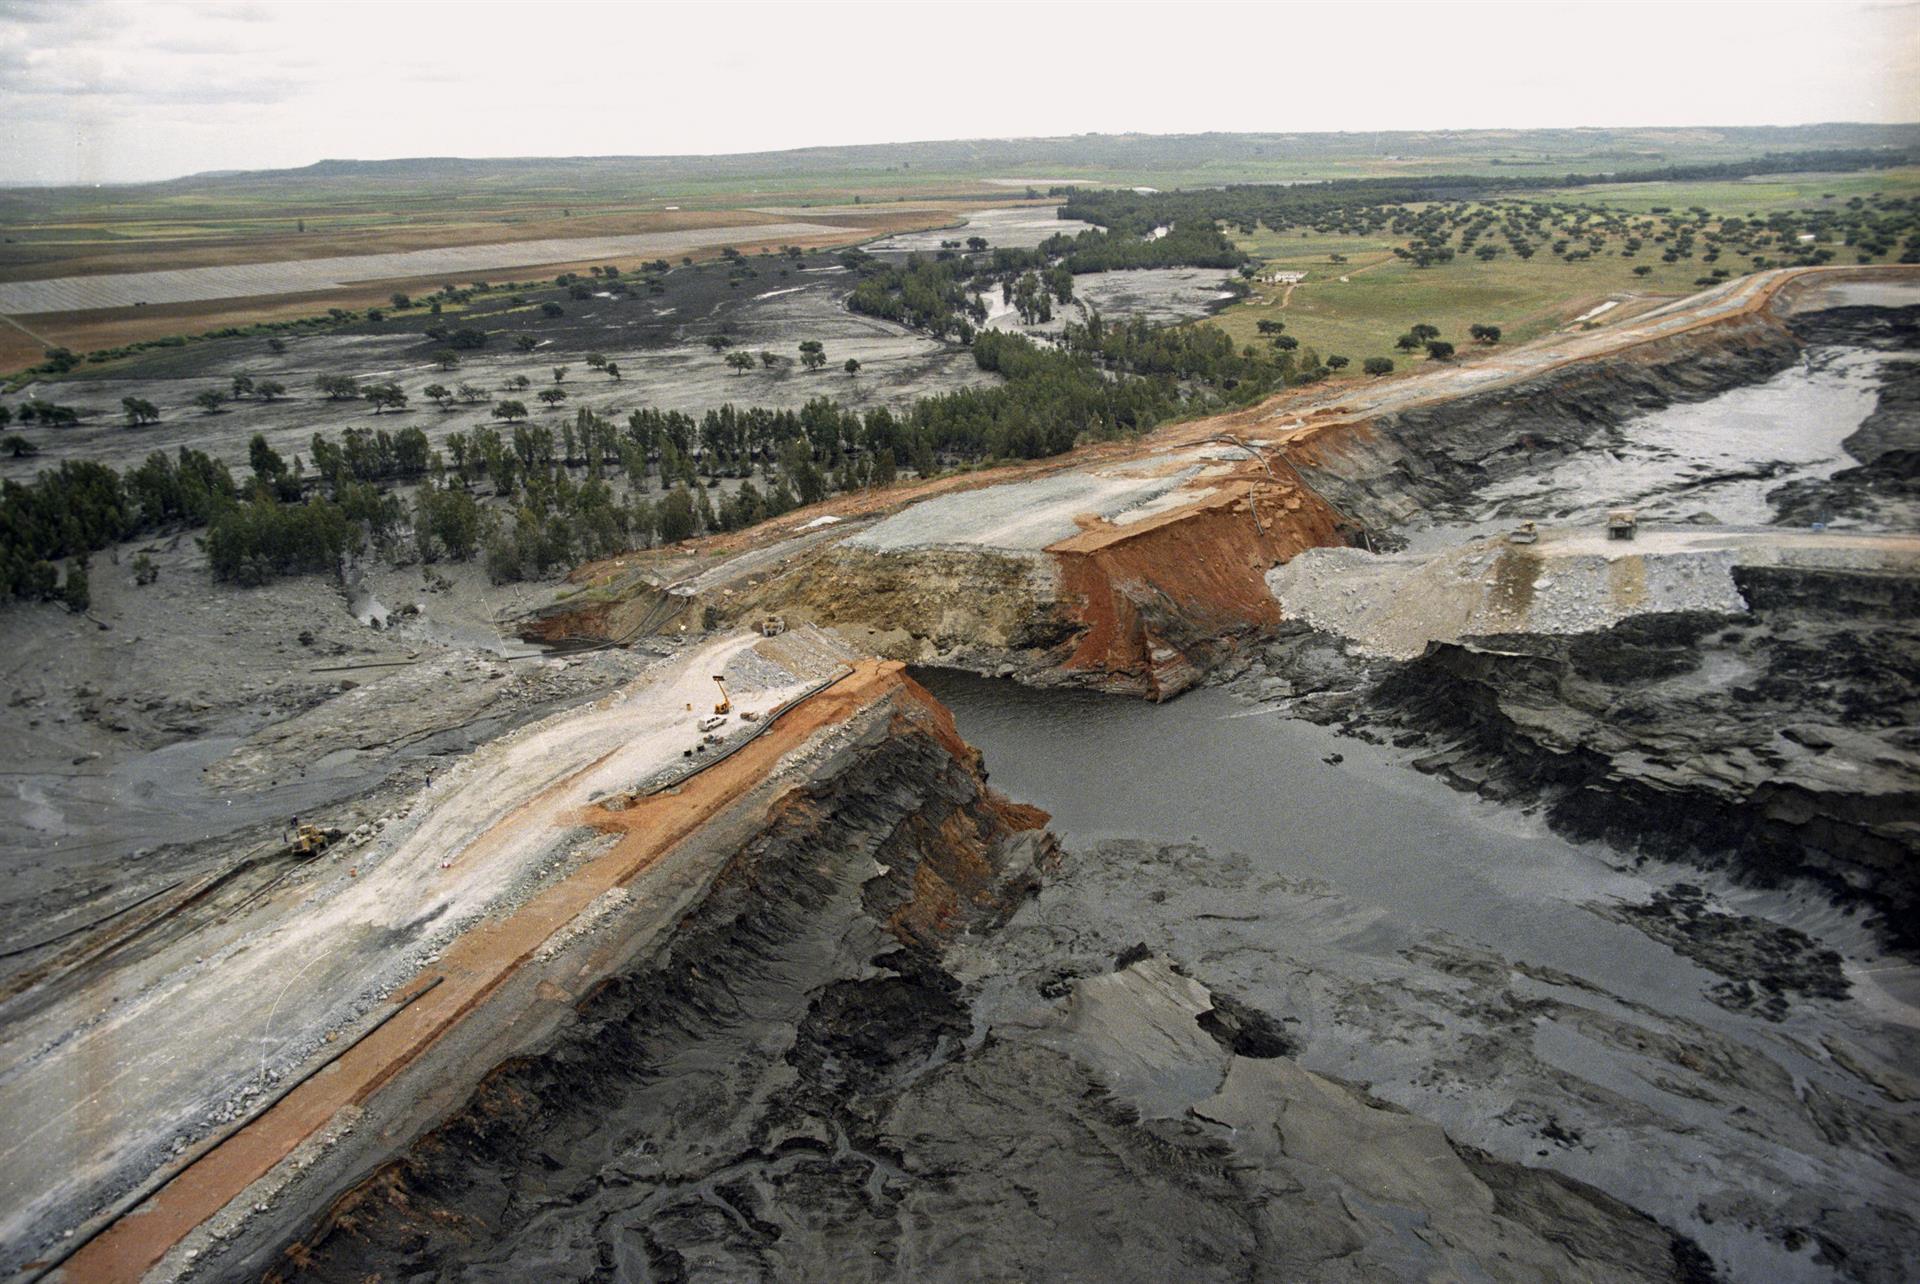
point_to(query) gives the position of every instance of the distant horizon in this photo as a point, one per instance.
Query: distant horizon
(118, 91)
(561, 157)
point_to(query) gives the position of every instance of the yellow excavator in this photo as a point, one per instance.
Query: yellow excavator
(726, 701)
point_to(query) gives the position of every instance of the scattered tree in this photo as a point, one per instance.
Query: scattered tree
(852, 367)
(553, 397)
(813, 354)
(385, 396)
(139, 411)
(210, 401)
(1377, 365)
(508, 411)
(1439, 350)
(269, 389)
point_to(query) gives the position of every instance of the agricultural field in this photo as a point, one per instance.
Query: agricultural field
(1359, 307)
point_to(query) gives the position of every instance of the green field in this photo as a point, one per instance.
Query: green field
(1383, 296)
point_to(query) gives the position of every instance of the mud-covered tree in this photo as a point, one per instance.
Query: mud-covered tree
(508, 411)
(525, 342)
(676, 516)
(265, 461)
(740, 361)
(553, 397)
(210, 401)
(559, 374)
(519, 383)
(471, 393)
(385, 396)
(551, 309)
(613, 371)
(852, 367)
(976, 243)
(17, 446)
(1377, 365)
(813, 354)
(75, 593)
(269, 390)
(446, 358)
(276, 345)
(771, 360)
(439, 394)
(338, 387)
(596, 361)
(139, 411)
(242, 387)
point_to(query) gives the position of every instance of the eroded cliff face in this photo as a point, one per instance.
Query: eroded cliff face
(717, 1068)
(1778, 742)
(1387, 469)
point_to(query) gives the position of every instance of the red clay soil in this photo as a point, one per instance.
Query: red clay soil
(955, 881)
(1161, 599)
(474, 967)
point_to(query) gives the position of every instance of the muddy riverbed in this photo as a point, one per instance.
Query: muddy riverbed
(1711, 461)
(1466, 963)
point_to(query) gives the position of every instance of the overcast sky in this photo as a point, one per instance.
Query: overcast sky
(105, 90)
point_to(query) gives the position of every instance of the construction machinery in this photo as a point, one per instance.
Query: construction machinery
(1621, 523)
(308, 840)
(772, 626)
(1524, 533)
(726, 701)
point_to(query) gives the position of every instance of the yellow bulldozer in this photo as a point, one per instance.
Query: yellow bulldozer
(308, 840)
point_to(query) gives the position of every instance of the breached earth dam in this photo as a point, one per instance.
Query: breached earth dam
(1227, 856)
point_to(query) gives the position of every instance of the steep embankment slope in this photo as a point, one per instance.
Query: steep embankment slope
(553, 858)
